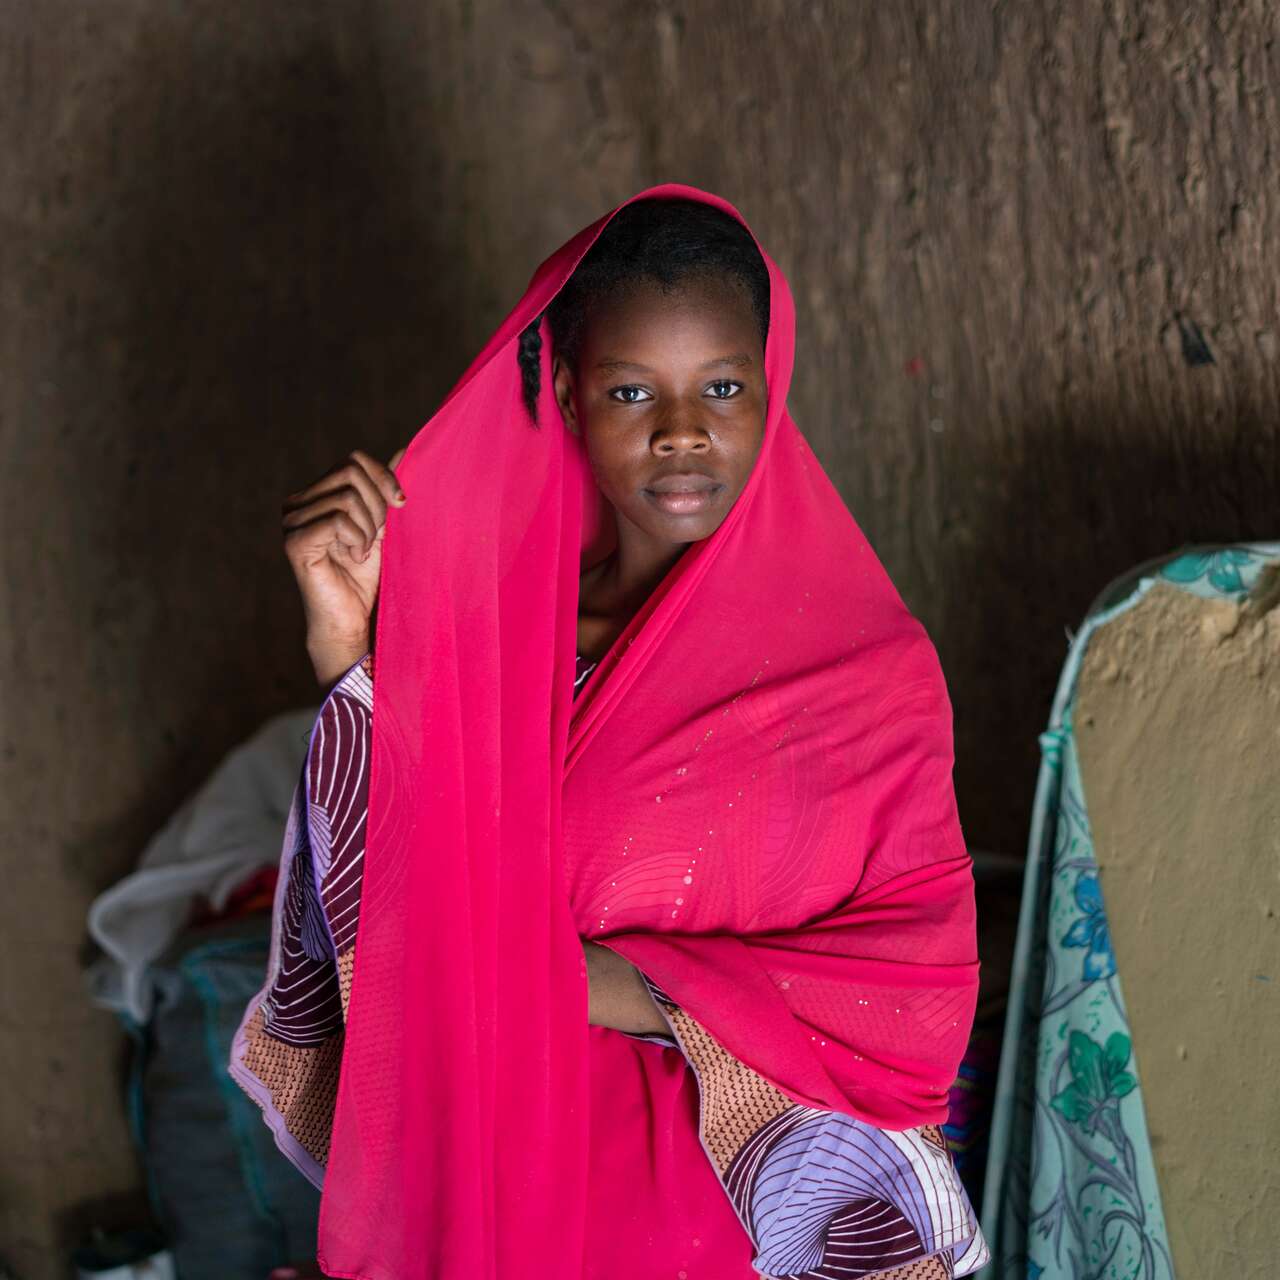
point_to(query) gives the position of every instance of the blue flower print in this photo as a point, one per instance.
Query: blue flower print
(1222, 568)
(1091, 930)
(1098, 1082)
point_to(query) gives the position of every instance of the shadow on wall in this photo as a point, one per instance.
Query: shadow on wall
(253, 283)
(267, 295)
(1091, 493)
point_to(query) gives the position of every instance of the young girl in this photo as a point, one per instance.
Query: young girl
(679, 989)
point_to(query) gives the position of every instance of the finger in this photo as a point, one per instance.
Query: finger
(348, 500)
(327, 483)
(340, 484)
(396, 459)
(335, 527)
(382, 476)
(374, 495)
(347, 475)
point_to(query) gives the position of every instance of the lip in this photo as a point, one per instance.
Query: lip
(684, 494)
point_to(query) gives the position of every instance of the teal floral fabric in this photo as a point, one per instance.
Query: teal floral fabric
(1071, 1187)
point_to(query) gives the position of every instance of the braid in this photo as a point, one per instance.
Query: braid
(529, 357)
(660, 240)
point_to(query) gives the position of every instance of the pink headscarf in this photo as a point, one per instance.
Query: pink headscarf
(750, 800)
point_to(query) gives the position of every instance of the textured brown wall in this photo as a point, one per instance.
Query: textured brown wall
(230, 232)
(1176, 723)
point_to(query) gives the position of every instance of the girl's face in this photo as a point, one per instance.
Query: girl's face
(669, 396)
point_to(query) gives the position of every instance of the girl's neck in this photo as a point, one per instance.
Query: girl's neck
(612, 591)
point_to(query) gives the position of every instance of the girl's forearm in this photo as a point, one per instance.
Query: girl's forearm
(618, 996)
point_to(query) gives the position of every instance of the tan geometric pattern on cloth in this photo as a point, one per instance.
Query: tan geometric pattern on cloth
(736, 1102)
(303, 1083)
(346, 961)
(937, 1267)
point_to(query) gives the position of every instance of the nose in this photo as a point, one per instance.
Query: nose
(680, 433)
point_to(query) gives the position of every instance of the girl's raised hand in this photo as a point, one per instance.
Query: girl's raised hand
(333, 532)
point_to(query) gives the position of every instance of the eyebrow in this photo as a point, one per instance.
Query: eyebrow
(738, 359)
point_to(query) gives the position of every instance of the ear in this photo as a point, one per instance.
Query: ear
(562, 380)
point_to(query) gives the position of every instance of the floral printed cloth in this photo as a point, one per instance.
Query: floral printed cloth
(1071, 1187)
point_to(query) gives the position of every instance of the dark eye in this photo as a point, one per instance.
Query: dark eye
(625, 394)
(725, 389)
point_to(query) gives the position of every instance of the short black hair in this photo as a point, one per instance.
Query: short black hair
(666, 240)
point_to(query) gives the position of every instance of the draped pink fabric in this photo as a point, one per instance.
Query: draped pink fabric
(751, 800)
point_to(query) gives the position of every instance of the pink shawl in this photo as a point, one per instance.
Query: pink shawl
(750, 800)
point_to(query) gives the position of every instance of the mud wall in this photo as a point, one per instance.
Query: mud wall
(1032, 248)
(1176, 721)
